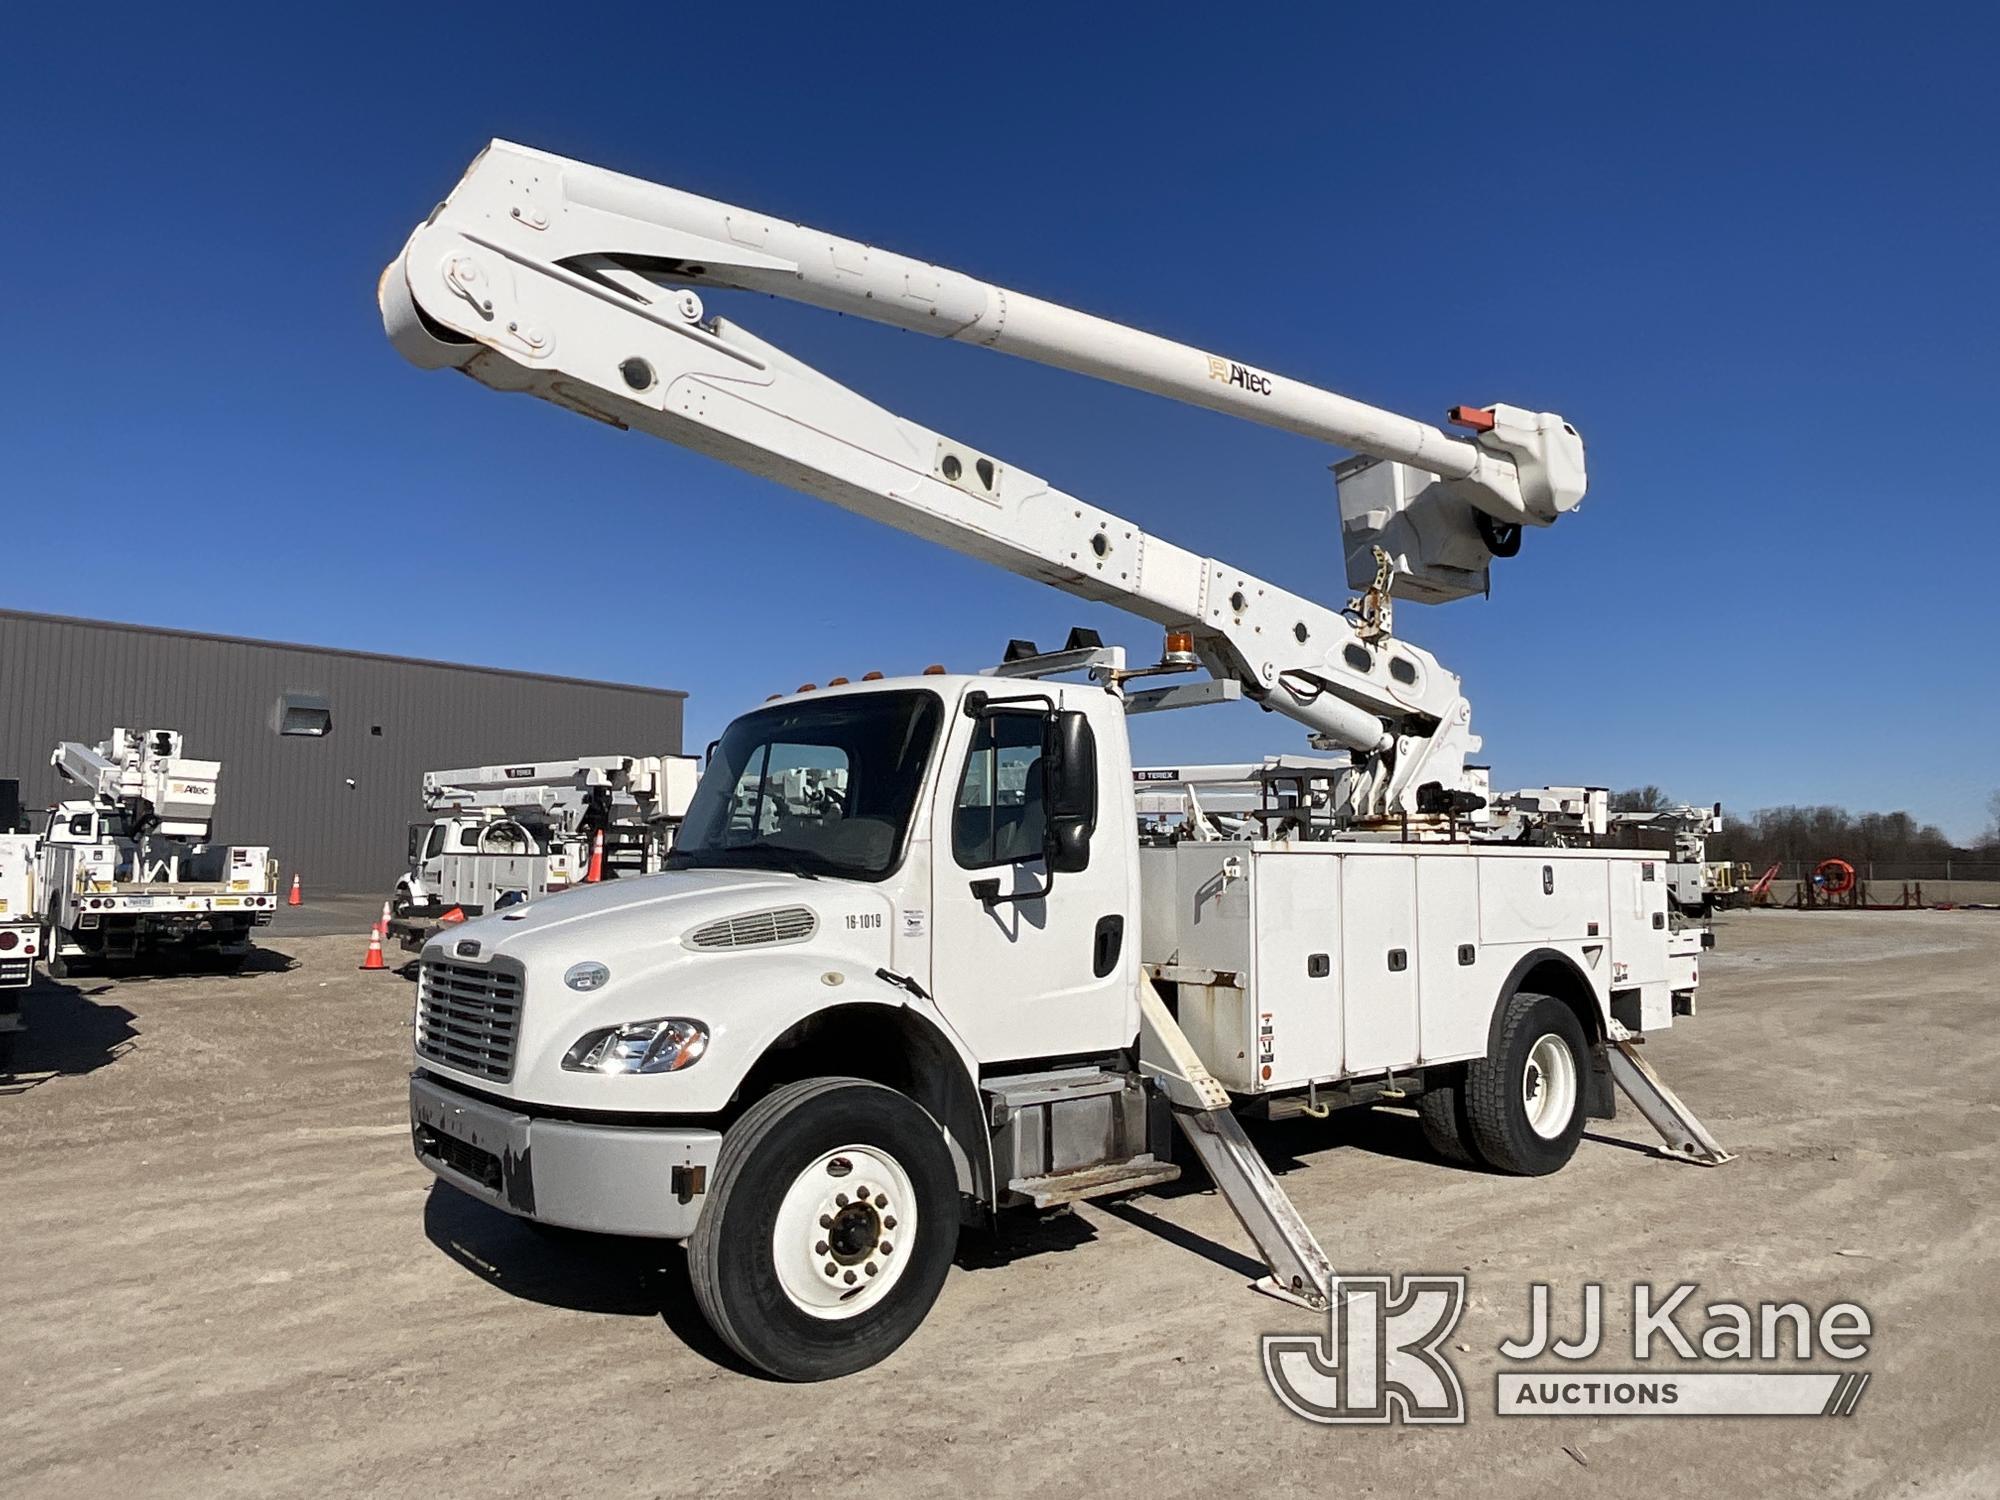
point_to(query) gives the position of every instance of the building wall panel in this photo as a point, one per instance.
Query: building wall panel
(335, 809)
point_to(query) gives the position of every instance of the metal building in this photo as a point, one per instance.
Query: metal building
(323, 751)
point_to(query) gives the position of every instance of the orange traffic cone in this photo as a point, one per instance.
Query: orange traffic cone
(374, 958)
(383, 925)
(295, 899)
(596, 871)
(456, 914)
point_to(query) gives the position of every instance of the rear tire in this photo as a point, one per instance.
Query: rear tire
(1441, 1111)
(787, 1203)
(1525, 1103)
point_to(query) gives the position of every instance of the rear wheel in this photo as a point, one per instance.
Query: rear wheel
(828, 1230)
(1524, 1103)
(1441, 1111)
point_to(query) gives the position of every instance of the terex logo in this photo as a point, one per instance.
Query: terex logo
(1230, 373)
(519, 773)
(1381, 1358)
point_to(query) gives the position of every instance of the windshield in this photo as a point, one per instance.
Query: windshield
(824, 788)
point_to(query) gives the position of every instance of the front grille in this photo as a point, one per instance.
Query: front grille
(469, 1016)
(757, 929)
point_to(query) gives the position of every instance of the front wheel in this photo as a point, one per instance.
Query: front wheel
(828, 1229)
(1525, 1103)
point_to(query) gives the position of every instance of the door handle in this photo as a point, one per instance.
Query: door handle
(1105, 945)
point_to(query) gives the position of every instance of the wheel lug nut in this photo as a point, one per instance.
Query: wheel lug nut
(869, 1268)
(889, 1223)
(881, 1200)
(840, 1200)
(887, 1247)
(850, 1278)
(832, 1269)
(820, 1248)
(826, 1221)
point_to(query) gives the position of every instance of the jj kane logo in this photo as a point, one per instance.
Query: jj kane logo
(1384, 1357)
(1242, 376)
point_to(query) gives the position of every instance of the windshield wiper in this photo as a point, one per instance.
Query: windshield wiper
(792, 862)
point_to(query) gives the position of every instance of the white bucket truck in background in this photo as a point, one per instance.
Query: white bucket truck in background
(126, 872)
(507, 833)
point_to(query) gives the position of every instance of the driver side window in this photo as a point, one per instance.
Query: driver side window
(998, 819)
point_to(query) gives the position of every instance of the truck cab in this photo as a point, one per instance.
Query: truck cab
(962, 907)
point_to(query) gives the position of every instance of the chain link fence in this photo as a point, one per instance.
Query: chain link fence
(1933, 882)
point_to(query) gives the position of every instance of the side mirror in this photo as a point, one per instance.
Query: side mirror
(1069, 791)
(1066, 845)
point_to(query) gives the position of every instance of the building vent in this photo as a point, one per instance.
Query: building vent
(757, 929)
(307, 714)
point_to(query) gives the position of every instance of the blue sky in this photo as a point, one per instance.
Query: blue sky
(1748, 250)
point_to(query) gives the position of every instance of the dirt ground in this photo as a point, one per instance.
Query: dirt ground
(222, 1273)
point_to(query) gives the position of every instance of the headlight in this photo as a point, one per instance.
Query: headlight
(663, 1046)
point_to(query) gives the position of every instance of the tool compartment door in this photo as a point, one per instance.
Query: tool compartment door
(1457, 1004)
(1378, 961)
(1297, 1010)
(1638, 900)
(1540, 895)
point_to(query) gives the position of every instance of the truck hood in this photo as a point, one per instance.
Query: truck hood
(646, 911)
(745, 982)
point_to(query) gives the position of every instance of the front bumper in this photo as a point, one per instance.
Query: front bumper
(611, 1179)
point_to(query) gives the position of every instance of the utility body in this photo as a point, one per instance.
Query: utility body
(506, 833)
(21, 934)
(127, 871)
(910, 963)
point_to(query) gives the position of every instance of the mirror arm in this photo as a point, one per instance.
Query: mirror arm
(987, 891)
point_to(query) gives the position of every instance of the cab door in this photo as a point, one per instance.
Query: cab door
(1030, 969)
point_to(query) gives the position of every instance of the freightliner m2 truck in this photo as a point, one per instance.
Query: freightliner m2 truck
(954, 982)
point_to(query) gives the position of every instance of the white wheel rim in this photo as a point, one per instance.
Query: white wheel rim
(1548, 1086)
(845, 1230)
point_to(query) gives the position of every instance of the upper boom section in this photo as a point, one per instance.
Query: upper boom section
(1520, 467)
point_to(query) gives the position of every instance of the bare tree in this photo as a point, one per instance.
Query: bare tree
(1639, 799)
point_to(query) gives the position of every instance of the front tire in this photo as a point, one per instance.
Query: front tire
(828, 1230)
(1525, 1103)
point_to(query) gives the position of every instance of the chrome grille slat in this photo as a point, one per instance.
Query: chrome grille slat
(756, 929)
(469, 1018)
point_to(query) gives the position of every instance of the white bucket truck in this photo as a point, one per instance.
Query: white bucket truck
(506, 833)
(126, 871)
(953, 981)
(20, 935)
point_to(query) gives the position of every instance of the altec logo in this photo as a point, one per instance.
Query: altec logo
(1230, 373)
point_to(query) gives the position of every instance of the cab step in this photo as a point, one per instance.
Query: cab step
(1057, 1188)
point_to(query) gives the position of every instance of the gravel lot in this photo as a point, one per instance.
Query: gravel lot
(224, 1274)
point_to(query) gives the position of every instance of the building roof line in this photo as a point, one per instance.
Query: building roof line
(339, 651)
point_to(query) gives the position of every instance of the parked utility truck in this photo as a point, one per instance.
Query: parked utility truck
(506, 833)
(20, 935)
(126, 871)
(955, 982)
(1683, 829)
